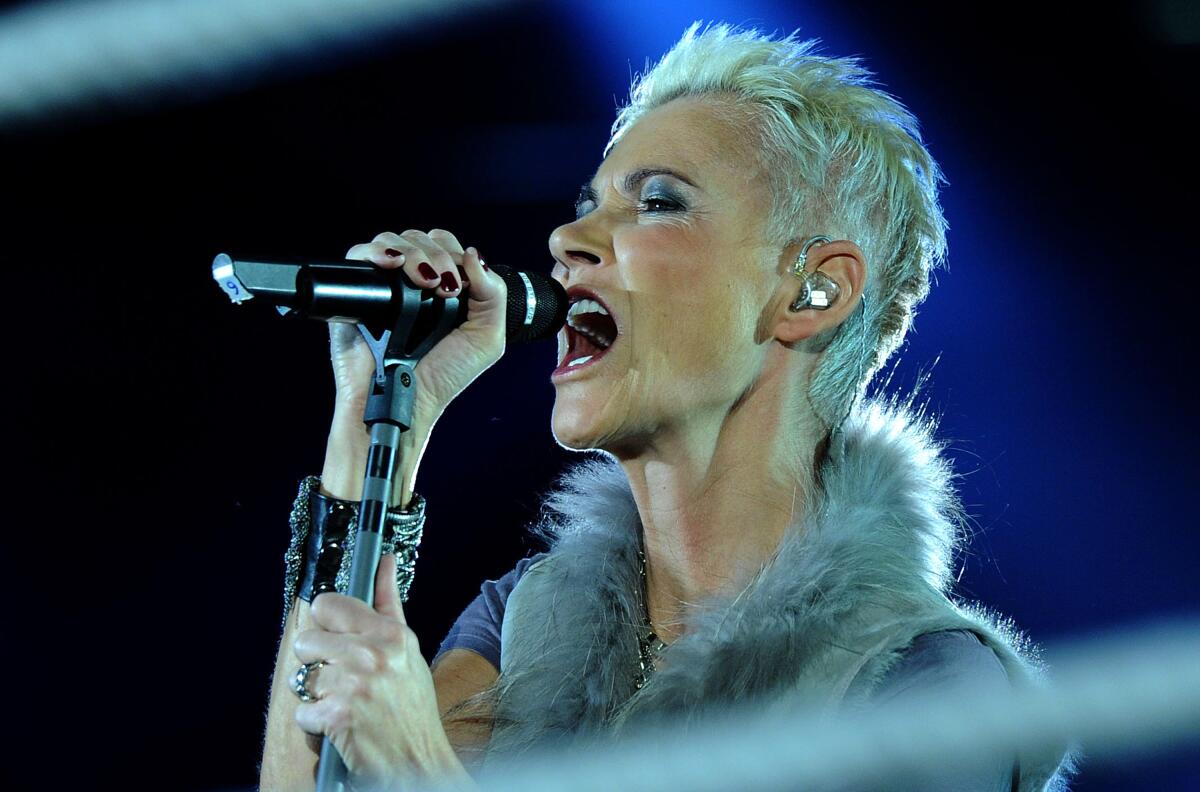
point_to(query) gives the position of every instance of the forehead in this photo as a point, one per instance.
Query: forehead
(704, 138)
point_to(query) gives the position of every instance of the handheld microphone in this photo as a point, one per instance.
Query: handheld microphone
(358, 292)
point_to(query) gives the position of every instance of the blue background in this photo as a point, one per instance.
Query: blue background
(159, 433)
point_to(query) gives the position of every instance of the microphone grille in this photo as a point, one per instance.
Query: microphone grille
(537, 305)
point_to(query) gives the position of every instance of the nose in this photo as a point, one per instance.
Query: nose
(578, 243)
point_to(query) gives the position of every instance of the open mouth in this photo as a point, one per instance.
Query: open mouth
(591, 332)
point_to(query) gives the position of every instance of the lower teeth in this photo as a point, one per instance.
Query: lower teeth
(579, 361)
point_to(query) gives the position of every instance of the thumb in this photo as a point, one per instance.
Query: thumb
(387, 593)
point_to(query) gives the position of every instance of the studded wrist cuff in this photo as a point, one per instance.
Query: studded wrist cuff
(324, 531)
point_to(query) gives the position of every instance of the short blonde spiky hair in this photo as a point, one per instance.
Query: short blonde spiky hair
(844, 159)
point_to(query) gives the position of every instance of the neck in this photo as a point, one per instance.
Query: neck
(716, 496)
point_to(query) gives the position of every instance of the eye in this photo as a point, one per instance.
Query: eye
(658, 196)
(657, 203)
(584, 203)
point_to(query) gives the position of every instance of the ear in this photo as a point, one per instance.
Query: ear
(843, 262)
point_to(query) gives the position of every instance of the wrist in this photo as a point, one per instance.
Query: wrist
(348, 427)
(349, 442)
(348, 418)
(325, 531)
(345, 460)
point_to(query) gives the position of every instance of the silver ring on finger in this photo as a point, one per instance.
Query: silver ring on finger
(300, 681)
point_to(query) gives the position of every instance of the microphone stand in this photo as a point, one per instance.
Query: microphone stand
(420, 325)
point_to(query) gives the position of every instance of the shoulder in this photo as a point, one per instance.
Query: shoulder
(524, 564)
(944, 660)
(479, 626)
(510, 580)
(496, 592)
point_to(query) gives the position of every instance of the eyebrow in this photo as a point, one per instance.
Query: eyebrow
(634, 178)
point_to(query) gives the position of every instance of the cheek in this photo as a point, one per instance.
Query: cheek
(661, 258)
(697, 333)
(692, 335)
(683, 290)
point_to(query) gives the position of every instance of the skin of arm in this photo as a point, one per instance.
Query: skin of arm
(458, 675)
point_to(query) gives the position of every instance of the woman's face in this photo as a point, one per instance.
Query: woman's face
(669, 239)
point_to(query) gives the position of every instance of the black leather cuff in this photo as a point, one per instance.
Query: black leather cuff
(331, 522)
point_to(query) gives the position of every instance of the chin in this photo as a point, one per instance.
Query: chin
(577, 428)
(572, 429)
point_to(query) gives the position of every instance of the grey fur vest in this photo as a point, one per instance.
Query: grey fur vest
(821, 623)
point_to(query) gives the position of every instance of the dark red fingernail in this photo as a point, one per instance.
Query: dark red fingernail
(449, 283)
(394, 253)
(427, 272)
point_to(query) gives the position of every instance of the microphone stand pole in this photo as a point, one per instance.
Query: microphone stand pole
(421, 324)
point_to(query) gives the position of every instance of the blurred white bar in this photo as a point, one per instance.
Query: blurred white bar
(62, 55)
(1119, 696)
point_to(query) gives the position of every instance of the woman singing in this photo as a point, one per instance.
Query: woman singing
(750, 526)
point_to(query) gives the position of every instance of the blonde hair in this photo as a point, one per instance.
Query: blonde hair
(844, 159)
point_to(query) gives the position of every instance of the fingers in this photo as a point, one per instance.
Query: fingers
(343, 337)
(441, 258)
(313, 645)
(322, 717)
(329, 711)
(342, 614)
(347, 616)
(352, 661)
(387, 593)
(483, 284)
(345, 656)
(429, 260)
(447, 240)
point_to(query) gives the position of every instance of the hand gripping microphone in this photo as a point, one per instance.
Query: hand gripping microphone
(401, 322)
(360, 293)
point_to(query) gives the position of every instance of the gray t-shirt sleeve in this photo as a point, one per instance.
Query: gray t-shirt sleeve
(941, 663)
(478, 627)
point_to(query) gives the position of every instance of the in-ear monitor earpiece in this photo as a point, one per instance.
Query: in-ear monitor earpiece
(817, 290)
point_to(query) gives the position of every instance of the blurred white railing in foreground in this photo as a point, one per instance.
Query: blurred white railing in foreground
(62, 55)
(1123, 695)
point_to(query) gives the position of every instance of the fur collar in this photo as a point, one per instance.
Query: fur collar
(860, 573)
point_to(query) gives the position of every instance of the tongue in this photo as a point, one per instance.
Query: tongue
(584, 346)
